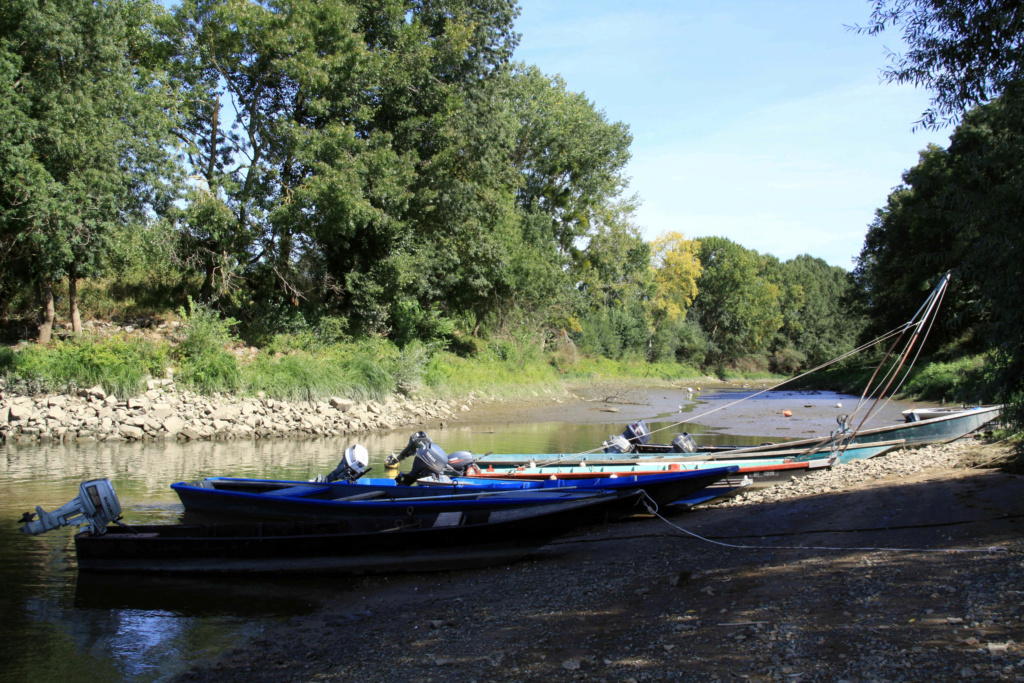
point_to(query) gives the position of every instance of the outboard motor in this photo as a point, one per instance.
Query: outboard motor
(96, 506)
(616, 444)
(354, 465)
(636, 434)
(684, 443)
(460, 461)
(431, 460)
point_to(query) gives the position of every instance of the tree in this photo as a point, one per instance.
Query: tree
(987, 173)
(910, 244)
(959, 209)
(676, 269)
(823, 326)
(569, 156)
(347, 157)
(88, 120)
(737, 306)
(966, 52)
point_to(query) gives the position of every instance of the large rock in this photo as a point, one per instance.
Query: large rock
(130, 432)
(161, 411)
(189, 433)
(226, 413)
(342, 404)
(20, 412)
(5, 415)
(172, 425)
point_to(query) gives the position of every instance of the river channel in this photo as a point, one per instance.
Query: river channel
(59, 625)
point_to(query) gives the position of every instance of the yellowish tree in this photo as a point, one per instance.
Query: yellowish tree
(675, 267)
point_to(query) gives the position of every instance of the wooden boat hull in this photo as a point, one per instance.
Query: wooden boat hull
(433, 542)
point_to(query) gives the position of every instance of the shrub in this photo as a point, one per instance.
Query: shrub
(203, 361)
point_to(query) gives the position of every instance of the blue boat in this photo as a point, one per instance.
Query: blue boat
(366, 498)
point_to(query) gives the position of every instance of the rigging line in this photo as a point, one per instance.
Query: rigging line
(920, 348)
(945, 279)
(842, 357)
(931, 311)
(786, 534)
(652, 507)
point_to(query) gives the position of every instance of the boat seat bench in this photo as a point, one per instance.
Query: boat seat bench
(297, 490)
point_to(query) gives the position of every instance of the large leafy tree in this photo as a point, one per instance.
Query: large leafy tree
(335, 145)
(85, 128)
(825, 324)
(970, 54)
(569, 156)
(987, 155)
(910, 244)
(738, 306)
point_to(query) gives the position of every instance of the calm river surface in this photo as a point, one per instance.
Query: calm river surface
(57, 625)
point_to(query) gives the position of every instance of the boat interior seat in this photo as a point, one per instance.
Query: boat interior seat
(297, 490)
(369, 495)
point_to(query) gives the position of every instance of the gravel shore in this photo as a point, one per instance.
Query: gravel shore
(847, 575)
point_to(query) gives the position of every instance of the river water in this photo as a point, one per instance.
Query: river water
(58, 625)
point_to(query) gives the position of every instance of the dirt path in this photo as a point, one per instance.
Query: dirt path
(641, 601)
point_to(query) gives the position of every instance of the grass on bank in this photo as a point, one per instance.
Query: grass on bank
(366, 369)
(298, 369)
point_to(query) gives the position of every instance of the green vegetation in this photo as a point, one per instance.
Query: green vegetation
(118, 364)
(404, 179)
(368, 196)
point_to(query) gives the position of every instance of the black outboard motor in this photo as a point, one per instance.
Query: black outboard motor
(431, 460)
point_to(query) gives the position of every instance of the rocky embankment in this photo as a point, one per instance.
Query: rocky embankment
(165, 412)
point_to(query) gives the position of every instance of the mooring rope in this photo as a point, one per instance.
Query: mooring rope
(652, 507)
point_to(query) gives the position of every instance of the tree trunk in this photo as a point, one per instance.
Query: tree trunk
(48, 313)
(206, 291)
(76, 318)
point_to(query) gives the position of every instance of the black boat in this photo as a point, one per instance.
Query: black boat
(419, 543)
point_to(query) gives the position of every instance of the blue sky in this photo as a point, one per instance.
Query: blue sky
(761, 121)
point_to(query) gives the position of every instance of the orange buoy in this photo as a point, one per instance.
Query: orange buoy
(787, 413)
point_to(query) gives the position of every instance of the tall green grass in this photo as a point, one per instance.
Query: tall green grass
(120, 365)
